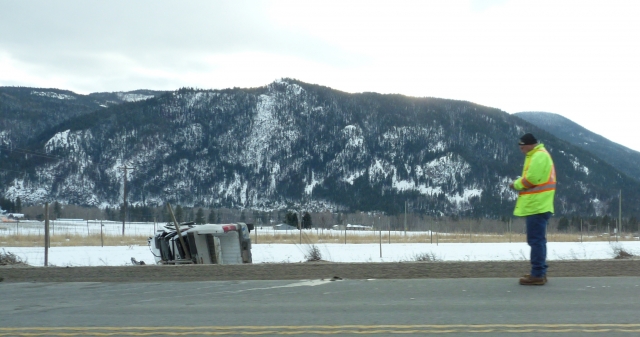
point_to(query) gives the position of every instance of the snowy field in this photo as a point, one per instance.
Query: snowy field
(293, 253)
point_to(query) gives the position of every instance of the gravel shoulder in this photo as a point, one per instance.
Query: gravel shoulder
(315, 270)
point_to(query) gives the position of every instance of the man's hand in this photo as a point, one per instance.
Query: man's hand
(511, 184)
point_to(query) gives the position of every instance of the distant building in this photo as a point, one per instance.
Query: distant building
(351, 227)
(284, 227)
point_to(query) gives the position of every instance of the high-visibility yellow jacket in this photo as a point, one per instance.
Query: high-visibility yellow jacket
(537, 185)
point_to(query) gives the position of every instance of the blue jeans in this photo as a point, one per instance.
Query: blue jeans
(537, 240)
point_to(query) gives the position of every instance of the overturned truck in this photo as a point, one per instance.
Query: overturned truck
(202, 244)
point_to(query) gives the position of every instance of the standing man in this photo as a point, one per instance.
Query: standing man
(536, 190)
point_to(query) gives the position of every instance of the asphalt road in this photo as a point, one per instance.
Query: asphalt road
(300, 271)
(313, 299)
(566, 306)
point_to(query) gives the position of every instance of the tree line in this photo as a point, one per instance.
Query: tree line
(11, 206)
(323, 220)
(604, 223)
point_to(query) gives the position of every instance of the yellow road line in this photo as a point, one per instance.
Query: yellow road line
(318, 329)
(351, 326)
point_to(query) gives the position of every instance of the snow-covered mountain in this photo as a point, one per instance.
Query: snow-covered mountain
(295, 145)
(26, 112)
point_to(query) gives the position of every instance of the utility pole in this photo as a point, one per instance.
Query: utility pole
(619, 214)
(124, 215)
(177, 226)
(405, 218)
(46, 234)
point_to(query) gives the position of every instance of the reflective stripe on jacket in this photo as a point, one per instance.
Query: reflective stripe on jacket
(537, 186)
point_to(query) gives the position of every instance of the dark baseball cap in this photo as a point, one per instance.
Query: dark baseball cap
(527, 139)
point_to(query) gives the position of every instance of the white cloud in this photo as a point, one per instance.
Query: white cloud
(574, 58)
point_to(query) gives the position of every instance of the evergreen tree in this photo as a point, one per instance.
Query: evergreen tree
(212, 216)
(291, 219)
(257, 217)
(576, 222)
(306, 220)
(57, 210)
(191, 215)
(18, 205)
(605, 223)
(7, 205)
(134, 213)
(147, 214)
(200, 217)
(563, 224)
(178, 213)
(633, 224)
(166, 216)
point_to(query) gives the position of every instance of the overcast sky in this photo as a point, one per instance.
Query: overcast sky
(579, 59)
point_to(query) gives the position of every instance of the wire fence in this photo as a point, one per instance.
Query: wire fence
(79, 227)
(268, 234)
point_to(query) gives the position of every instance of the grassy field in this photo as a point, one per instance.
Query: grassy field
(309, 237)
(420, 237)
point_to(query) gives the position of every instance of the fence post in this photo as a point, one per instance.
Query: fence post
(380, 242)
(431, 232)
(46, 234)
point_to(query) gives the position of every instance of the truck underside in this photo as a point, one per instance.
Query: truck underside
(202, 244)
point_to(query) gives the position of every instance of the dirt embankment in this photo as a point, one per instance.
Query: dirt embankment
(315, 270)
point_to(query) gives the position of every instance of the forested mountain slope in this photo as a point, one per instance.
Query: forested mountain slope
(296, 145)
(618, 156)
(25, 112)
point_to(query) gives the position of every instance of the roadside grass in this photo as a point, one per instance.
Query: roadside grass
(368, 237)
(309, 237)
(425, 257)
(620, 253)
(72, 240)
(313, 254)
(9, 259)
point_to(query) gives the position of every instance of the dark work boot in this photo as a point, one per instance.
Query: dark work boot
(529, 280)
(529, 275)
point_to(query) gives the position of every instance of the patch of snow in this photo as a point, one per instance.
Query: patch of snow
(52, 94)
(130, 97)
(308, 189)
(265, 128)
(466, 195)
(379, 170)
(5, 138)
(59, 140)
(350, 177)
